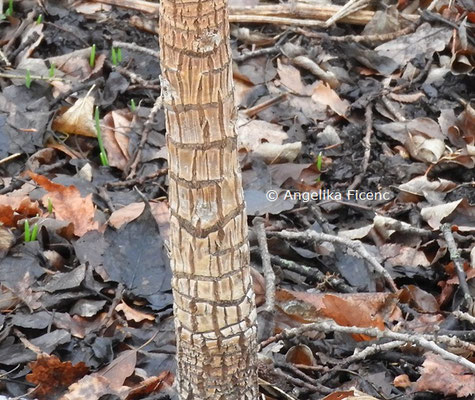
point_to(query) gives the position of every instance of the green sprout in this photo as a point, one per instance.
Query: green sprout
(92, 57)
(102, 154)
(30, 235)
(114, 56)
(119, 54)
(133, 107)
(39, 20)
(318, 164)
(51, 70)
(28, 79)
(50, 206)
(9, 11)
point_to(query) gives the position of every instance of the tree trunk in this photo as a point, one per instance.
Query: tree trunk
(213, 296)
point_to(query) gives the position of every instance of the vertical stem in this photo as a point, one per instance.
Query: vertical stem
(214, 300)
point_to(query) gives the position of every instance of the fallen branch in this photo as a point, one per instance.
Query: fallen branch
(356, 246)
(424, 341)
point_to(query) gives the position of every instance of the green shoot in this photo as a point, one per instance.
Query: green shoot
(102, 154)
(28, 79)
(318, 164)
(51, 70)
(50, 206)
(27, 231)
(9, 11)
(319, 161)
(119, 54)
(92, 57)
(114, 56)
(39, 20)
(133, 107)
(30, 235)
(34, 233)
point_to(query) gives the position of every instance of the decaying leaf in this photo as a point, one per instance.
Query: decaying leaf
(52, 376)
(77, 120)
(447, 377)
(68, 204)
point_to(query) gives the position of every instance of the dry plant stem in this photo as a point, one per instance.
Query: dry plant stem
(311, 66)
(131, 75)
(250, 112)
(334, 282)
(300, 383)
(367, 146)
(302, 14)
(214, 302)
(131, 168)
(464, 316)
(372, 350)
(417, 339)
(135, 47)
(137, 181)
(356, 246)
(257, 53)
(457, 260)
(392, 109)
(269, 274)
(349, 8)
(384, 37)
(298, 11)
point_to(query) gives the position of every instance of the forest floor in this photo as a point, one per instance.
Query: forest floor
(357, 144)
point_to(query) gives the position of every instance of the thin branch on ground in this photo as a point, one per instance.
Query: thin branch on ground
(425, 341)
(269, 275)
(367, 146)
(458, 262)
(257, 53)
(356, 246)
(131, 167)
(464, 316)
(135, 47)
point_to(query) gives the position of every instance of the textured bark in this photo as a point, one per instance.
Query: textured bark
(214, 301)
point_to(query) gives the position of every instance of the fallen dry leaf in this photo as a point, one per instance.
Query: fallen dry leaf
(68, 205)
(324, 94)
(52, 376)
(78, 119)
(115, 133)
(132, 314)
(447, 377)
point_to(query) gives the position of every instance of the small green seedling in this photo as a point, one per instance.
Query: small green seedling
(114, 56)
(318, 164)
(119, 54)
(9, 11)
(133, 107)
(39, 20)
(51, 72)
(30, 235)
(102, 154)
(28, 79)
(50, 206)
(92, 57)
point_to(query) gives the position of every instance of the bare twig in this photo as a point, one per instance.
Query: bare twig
(356, 246)
(131, 168)
(464, 316)
(367, 146)
(311, 66)
(457, 260)
(257, 53)
(425, 341)
(250, 112)
(135, 47)
(268, 274)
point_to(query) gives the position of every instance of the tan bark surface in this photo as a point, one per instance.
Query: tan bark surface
(214, 301)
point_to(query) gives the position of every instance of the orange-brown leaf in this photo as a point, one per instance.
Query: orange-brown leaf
(53, 376)
(68, 205)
